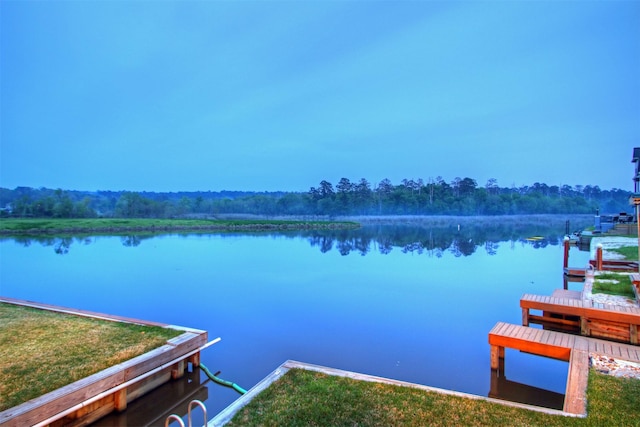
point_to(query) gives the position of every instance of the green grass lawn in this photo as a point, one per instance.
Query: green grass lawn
(613, 284)
(306, 398)
(628, 252)
(42, 350)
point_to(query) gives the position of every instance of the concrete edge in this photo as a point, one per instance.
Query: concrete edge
(94, 315)
(230, 411)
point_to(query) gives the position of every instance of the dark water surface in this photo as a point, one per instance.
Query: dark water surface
(409, 303)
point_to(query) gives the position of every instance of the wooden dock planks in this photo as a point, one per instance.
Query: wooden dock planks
(598, 320)
(564, 293)
(572, 348)
(545, 343)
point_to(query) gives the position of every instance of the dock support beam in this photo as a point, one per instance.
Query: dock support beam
(566, 252)
(195, 360)
(584, 326)
(177, 371)
(120, 400)
(525, 317)
(497, 358)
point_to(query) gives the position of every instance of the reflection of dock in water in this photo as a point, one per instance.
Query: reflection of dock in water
(505, 389)
(170, 398)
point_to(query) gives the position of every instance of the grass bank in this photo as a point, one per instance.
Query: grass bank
(306, 398)
(41, 350)
(629, 253)
(15, 226)
(613, 284)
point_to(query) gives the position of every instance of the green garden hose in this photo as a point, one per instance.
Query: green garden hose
(220, 381)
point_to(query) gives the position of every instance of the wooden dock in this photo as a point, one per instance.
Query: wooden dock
(84, 401)
(592, 319)
(572, 348)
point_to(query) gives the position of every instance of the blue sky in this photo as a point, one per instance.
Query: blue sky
(279, 95)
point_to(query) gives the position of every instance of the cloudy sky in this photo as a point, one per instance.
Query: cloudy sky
(279, 95)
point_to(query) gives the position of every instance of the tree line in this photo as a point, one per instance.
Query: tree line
(461, 196)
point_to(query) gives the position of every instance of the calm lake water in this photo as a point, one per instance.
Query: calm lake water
(409, 303)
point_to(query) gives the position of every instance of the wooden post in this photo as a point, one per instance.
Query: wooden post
(638, 231)
(120, 400)
(566, 252)
(525, 317)
(633, 331)
(177, 371)
(584, 326)
(497, 353)
(195, 360)
(599, 257)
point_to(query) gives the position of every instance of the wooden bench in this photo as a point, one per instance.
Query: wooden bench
(604, 321)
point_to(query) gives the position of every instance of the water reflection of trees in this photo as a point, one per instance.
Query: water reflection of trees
(433, 241)
(62, 245)
(427, 240)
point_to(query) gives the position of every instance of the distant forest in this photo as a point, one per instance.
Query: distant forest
(410, 197)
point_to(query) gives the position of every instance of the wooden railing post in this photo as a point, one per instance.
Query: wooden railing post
(599, 257)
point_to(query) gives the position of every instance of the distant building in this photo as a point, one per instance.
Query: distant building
(623, 223)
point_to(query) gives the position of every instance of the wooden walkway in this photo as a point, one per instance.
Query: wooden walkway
(593, 319)
(572, 348)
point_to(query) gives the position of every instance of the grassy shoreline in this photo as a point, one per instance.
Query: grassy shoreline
(306, 398)
(13, 227)
(31, 340)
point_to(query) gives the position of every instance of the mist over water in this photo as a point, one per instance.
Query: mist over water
(413, 303)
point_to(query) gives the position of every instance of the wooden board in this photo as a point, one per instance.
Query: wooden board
(565, 293)
(575, 400)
